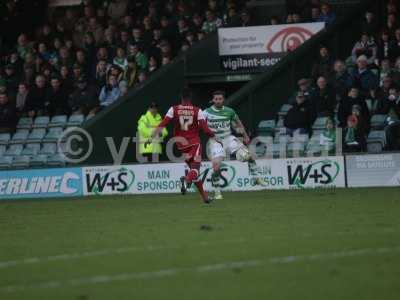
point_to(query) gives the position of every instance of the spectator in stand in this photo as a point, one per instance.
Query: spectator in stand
(315, 14)
(120, 59)
(21, 98)
(345, 108)
(117, 9)
(245, 19)
(84, 99)
(395, 74)
(56, 98)
(35, 101)
(140, 57)
(142, 77)
(326, 14)
(305, 87)
(323, 99)
(327, 138)
(212, 22)
(354, 139)
(11, 77)
(299, 118)
(391, 25)
(366, 47)
(110, 92)
(394, 51)
(8, 117)
(340, 79)
(153, 64)
(370, 25)
(385, 71)
(383, 47)
(323, 64)
(390, 103)
(131, 72)
(364, 78)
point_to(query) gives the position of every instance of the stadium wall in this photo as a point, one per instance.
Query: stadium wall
(279, 174)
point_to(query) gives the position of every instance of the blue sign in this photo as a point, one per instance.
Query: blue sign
(40, 183)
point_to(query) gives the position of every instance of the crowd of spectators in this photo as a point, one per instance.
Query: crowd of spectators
(348, 92)
(84, 58)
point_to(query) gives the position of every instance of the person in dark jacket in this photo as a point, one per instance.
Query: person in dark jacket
(84, 99)
(346, 107)
(35, 102)
(323, 64)
(383, 46)
(390, 103)
(364, 78)
(8, 117)
(300, 117)
(57, 98)
(353, 138)
(340, 79)
(323, 100)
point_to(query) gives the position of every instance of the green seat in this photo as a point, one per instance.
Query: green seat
(266, 128)
(55, 160)
(20, 136)
(376, 141)
(89, 116)
(2, 149)
(48, 149)
(38, 160)
(296, 149)
(41, 122)
(4, 138)
(21, 162)
(25, 123)
(31, 149)
(75, 120)
(5, 162)
(319, 123)
(53, 134)
(36, 135)
(378, 121)
(14, 150)
(58, 121)
(284, 110)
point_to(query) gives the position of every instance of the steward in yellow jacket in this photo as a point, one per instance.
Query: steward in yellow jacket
(146, 125)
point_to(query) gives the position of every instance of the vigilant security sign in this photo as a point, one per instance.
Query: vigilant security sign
(40, 183)
(256, 48)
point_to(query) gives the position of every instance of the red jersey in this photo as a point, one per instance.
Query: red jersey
(187, 120)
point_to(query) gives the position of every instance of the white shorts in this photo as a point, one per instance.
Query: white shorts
(230, 145)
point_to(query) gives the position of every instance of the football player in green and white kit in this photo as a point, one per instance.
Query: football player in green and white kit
(220, 120)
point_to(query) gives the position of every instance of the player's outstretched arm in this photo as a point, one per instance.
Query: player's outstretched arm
(242, 130)
(167, 119)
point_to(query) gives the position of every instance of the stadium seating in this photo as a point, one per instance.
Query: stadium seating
(376, 141)
(41, 122)
(58, 121)
(34, 144)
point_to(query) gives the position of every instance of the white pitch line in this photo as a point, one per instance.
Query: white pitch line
(105, 252)
(104, 279)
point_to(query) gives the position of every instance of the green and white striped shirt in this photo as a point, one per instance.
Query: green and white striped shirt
(220, 120)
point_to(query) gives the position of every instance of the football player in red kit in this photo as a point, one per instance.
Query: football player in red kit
(188, 120)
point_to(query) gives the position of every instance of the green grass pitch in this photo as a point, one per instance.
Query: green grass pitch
(320, 244)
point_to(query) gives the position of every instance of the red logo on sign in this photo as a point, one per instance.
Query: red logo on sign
(288, 39)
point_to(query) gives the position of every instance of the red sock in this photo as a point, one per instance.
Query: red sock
(202, 192)
(191, 175)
